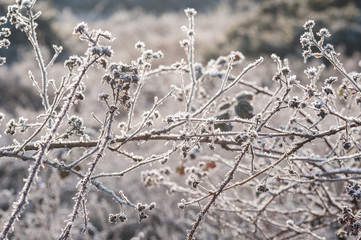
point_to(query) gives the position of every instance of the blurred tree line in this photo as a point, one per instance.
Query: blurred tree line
(276, 26)
(264, 27)
(272, 26)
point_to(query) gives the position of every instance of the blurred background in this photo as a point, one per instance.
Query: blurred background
(253, 27)
(256, 28)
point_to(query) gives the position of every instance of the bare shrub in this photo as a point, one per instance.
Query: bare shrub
(243, 161)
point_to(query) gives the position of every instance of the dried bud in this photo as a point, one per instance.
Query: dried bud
(112, 218)
(122, 218)
(152, 205)
(140, 207)
(140, 45)
(324, 32)
(190, 12)
(80, 28)
(309, 24)
(262, 188)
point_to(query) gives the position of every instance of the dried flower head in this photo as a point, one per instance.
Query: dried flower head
(330, 80)
(5, 32)
(2, 60)
(328, 49)
(122, 217)
(190, 12)
(107, 51)
(80, 28)
(152, 206)
(140, 45)
(103, 97)
(184, 43)
(72, 62)
(112, 218)
(324, 32)
(3, 20)
(309, 24)
(4, 43)
(311, 72)
(306, 39)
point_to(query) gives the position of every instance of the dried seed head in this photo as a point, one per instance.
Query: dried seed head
(324, 32)
(311, 72)
(181, 205)
(152, 206)
(328, 91)
(309, 24)
(328, 49)
(103, 97)
(122, 217)
(347, 145)
(306, 39)
(2, 60)
(190, 12)
(262, 188)
(81, 28)
(140, 45)
(184, 43)
(330, 80)
(142, 216)
(3, 20)
(140, 207)
(72, 62)
(112, 218)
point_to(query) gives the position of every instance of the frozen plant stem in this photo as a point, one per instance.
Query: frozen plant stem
(157, 103)
(229, 86)
(275, 157)
(44, 146)
(190, 54)
(337, 66)
(144, 162)
(39, 57)
(57, 98)
(229, 177)
(80, 198)
(136, 95)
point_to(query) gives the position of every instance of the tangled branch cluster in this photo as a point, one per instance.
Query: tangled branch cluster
(244, 170)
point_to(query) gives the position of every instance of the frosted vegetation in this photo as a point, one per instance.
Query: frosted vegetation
(129, 125)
